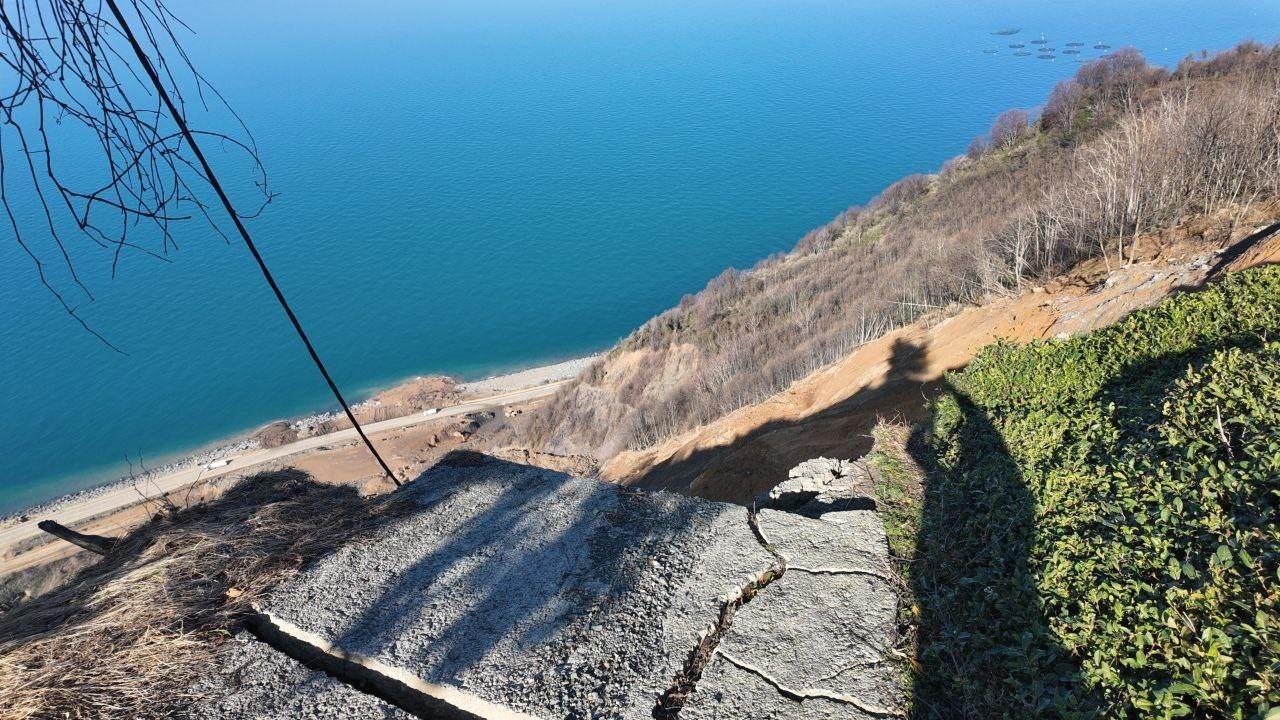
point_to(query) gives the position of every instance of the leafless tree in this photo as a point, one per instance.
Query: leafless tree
(1010, 127)
(977, 147)
(1062, 109)
(114, 73)
(902, 192)
(1118, 77)
(72, 81)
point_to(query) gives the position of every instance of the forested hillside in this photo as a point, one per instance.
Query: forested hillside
(1122, 149)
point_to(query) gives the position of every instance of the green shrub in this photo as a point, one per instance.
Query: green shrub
(1099, 529)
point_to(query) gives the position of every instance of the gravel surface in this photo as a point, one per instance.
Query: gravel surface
(557, 596)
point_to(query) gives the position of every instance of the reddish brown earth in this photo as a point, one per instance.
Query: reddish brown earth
(832, 411)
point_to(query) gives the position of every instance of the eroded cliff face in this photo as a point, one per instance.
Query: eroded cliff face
(832, 411)
(513, 591)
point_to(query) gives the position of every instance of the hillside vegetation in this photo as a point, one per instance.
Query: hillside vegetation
(1120, 150)
(1092, 529)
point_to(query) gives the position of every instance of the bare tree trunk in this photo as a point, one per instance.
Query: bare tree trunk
(93, 543)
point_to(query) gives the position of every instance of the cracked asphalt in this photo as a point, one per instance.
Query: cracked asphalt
(562, 597)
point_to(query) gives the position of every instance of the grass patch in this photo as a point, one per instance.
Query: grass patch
(899, 489)
(1096, 534)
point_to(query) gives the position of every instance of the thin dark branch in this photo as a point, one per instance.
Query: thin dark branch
(75, 78)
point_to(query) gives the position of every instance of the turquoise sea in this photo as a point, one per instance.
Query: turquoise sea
(473, 187)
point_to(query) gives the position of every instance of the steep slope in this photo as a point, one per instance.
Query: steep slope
(1119, 152)
(833, 411)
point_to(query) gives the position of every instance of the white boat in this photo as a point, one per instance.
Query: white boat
(218, 464)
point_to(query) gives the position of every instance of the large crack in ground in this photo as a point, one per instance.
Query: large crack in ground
(428, 700)
(800, 695)
(672, 701)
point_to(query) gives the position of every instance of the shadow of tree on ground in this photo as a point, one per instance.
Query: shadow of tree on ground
(132, 631)
(509, 570)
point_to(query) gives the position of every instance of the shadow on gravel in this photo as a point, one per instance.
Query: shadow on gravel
(266, 523)
(540, 569)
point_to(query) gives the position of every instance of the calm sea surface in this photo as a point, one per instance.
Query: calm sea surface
(472, 187)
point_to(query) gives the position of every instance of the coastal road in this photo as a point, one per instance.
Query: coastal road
(155, 487)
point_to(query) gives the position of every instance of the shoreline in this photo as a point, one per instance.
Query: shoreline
(243, 441)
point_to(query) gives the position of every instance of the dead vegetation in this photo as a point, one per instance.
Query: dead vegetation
(128, 635)
(1121, 150)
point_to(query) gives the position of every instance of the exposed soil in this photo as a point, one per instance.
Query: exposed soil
(275, 434)
(832, 411)
(576, 465)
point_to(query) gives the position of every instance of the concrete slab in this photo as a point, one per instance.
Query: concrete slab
(847, 539)
(814, 643)
(554, 596)
(518, 593)
(728, 692)
(252, 681)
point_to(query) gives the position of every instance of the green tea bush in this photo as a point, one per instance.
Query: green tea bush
(1099, 533)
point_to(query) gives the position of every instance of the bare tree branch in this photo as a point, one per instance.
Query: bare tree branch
(73, 78)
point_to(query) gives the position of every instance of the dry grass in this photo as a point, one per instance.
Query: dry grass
(127, 636)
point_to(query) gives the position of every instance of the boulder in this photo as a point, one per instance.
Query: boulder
(822, 485)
